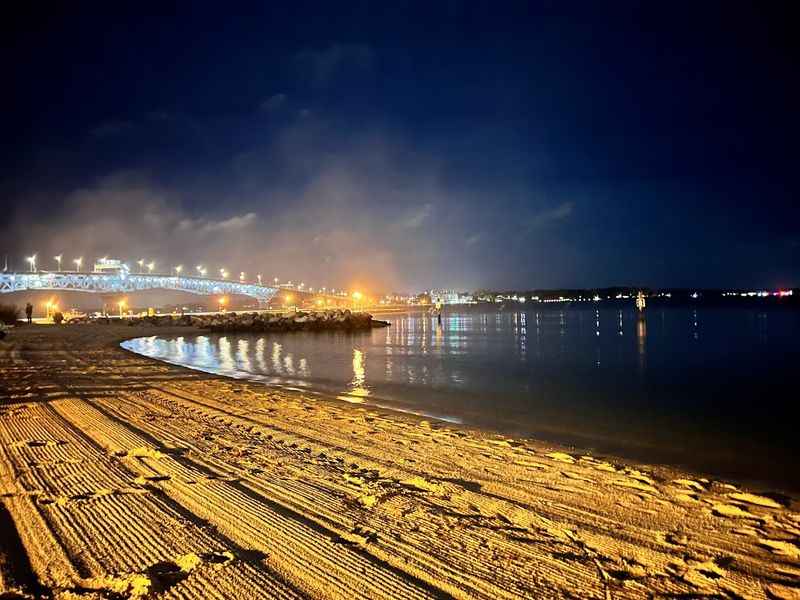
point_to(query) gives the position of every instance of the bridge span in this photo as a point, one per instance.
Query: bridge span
(123, 282)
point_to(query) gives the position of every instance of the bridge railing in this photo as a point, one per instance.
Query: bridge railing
(126, 282)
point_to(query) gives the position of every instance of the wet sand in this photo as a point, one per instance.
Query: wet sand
(121, 476)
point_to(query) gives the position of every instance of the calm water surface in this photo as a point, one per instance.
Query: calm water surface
(712, 389)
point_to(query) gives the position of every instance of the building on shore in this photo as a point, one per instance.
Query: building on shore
(450, 297)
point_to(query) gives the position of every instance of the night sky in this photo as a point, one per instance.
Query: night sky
(438, 144)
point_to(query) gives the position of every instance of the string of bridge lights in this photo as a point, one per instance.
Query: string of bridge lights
(148, 267)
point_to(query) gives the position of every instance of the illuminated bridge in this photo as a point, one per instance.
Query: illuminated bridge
(124, 282)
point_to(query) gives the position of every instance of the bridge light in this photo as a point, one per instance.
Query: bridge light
(140, 262)
(32, 261)
(150, 267)
(241, 276)
(78, 262)
(223, 273)
(259, 278)
(276, 280)
(178, 269)
(58, 260)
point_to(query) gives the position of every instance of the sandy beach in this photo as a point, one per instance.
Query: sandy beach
(124, 477)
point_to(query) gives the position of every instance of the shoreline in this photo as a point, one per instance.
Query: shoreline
(628, 450)
(326, 499)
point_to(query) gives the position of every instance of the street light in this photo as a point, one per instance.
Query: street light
(78, 262)
(222, 301)
(32, 261)
(58, 260)
(356, 298)
(141, 265)
(241, 277)
(276, 281)
(178, 270)
(122, 303)
(259, 278)
(223, 273)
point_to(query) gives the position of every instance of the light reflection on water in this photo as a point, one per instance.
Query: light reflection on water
(702, 382)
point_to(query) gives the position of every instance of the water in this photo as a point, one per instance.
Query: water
(707, 388)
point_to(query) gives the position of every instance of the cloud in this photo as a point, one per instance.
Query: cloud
(317, 203)
(321, 67)
(232, 224)
(418, 217)
(554, 215)
(273, 103)
(473, 239)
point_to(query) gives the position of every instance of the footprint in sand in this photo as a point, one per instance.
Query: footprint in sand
(781, 547)
(144, 479)
(689, 483)
(42, 443)
(755, 500)
(732, 511)
(576, 477)
(673, 538)
(561, 457)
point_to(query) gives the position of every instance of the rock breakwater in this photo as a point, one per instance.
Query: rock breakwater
(330, 320)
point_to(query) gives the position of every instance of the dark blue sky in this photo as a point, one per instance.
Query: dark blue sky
(466, 144)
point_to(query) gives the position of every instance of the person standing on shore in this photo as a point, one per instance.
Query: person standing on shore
(29, 312)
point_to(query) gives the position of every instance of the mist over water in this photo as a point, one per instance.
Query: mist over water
(705, 388)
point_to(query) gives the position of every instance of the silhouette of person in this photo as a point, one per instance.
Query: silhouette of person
(29, 312)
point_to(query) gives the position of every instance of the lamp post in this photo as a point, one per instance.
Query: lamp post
(178, 270)
(78, 262)
(223, 273)
(121, 305)
(32, 261)
(150, 266)
(58, 260)
(241, 277)
(222, 301)
(140, 262)
(259, 278)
